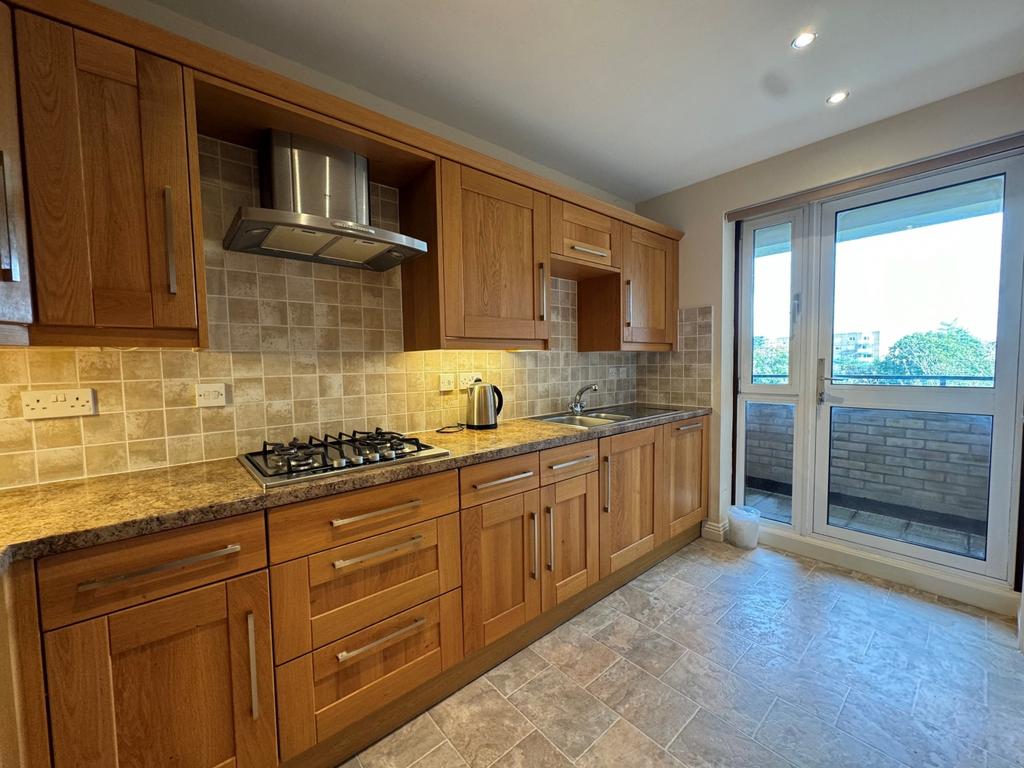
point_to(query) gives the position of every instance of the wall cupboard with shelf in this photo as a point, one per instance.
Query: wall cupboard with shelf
(110, 112)
(286, 634)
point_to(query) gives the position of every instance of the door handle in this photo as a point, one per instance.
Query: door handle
(543, 292)
(386, 510)
(536, 546)
(172, 271)
(629, 303)
(89, 586)
(340, 565)
(607, 483)
(381, 642)
(572, 463)
(254, 692)
(551, 538)
(502, 481)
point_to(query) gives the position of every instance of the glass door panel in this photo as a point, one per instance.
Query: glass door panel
(919, 316)
(768, 459)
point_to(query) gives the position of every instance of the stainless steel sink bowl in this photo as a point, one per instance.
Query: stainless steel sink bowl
(580, 422)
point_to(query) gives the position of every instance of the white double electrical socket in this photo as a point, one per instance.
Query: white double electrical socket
(446, 382)
(57, 403)
(467, 379)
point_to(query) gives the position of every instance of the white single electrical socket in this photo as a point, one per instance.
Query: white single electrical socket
(58, 403)
(446, 382)
(211, 395)
(467, 379)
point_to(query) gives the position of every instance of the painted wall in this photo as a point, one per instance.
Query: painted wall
(193, 30)
(706, 273)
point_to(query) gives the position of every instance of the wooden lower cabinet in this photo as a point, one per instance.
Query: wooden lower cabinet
(328, 690)
(185, 681)
(570, 523)
(631, 497)
(501, 567)
(686, 474)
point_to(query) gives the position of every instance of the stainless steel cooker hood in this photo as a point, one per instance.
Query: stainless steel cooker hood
(317, 209)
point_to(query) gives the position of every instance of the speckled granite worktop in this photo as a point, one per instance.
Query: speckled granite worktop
(57, 517)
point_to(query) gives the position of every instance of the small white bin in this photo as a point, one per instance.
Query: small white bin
(743, 526)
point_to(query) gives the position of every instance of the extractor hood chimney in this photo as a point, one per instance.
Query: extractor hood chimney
(316, 208)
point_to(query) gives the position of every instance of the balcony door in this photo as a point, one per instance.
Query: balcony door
(916, 368)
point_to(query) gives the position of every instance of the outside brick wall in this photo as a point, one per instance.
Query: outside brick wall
(769, 443)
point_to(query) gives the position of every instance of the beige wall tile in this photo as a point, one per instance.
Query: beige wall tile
(99, 365)
(185, 449)
(219, 445)
(142, 425)
(52, 366)
(106, 459)
(15, 435)
(60, 464)
(143, 395)
(103, 428)
(146, 454)
(58, 433)
(140, 364)
(13, 366)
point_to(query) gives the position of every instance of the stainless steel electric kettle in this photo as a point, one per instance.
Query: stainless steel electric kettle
(485, 401)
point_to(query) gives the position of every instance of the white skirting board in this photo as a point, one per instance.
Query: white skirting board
(973, 590)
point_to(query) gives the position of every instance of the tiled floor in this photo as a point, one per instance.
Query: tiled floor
(719, 658)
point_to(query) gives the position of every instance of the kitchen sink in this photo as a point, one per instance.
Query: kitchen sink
(581, 422)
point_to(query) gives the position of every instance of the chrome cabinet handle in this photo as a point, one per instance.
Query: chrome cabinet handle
(502, 481)
(629, 303)
(544, 292)
(89, 586)
(380, 642)
(172, 272)
(551, 538)
(536, 546)
(339, 522)
(8, 270)
(591, 251)
(410, 544)
(572, 463)
(254, 691)
(688, 427)
(607, 483)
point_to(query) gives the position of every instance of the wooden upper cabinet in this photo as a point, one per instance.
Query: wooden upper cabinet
(686, 474)
(108, 181)
(501, 567)
(186, 680)
(495, 246)
(631, 497)
(15, 286)
(650, 277)
(570, 535)
(580, 233)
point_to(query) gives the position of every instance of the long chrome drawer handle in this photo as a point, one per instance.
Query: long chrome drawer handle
(607, 483)
(543, 293)
(386, 511)
(89, 586)
(573, 463)
(629, 303)
(172, 271)
(551, 538)
(688, 427)
(386, 640)
(591, 251)
(502, 481)
(410, 544)
(536, 546)
(254, 691)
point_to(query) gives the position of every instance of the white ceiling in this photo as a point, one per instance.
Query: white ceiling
(642, 97)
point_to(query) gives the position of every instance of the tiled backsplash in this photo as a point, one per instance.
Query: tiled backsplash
(303, 349)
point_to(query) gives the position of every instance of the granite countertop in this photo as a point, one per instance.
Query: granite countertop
(57, 517)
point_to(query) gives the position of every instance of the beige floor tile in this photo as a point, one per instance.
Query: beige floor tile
(480, 723)
(643, 646)
(623, 745)
(793, 682)
(570, 717)
(443, 756)
(709, 742)
(533, 752)
(646, 702)
(511, 675)
(732, 698)
(709, 640)
(644, 607)
(694, 600)
(405, 746)
(575, 653)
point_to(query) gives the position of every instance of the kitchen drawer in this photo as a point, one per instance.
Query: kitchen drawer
(90, 582)
(497, 479)
(567, 461)
(311, 526)
(584, 234)
(331, 594)
(328, 690)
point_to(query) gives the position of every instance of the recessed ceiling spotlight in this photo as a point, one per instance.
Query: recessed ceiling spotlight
(837, 98)
(804, 39)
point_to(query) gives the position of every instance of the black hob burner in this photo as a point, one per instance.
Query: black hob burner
(297, 460)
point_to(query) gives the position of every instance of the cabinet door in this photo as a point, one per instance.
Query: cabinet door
(500, 567)
(15, 288)
(650, 289)
(495, 243)
(583, 234)
(184, 681)
(570, 520)
(631, 491)
(107, 169)
(686, 475)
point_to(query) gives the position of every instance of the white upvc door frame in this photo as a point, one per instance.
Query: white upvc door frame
(1001, 402)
